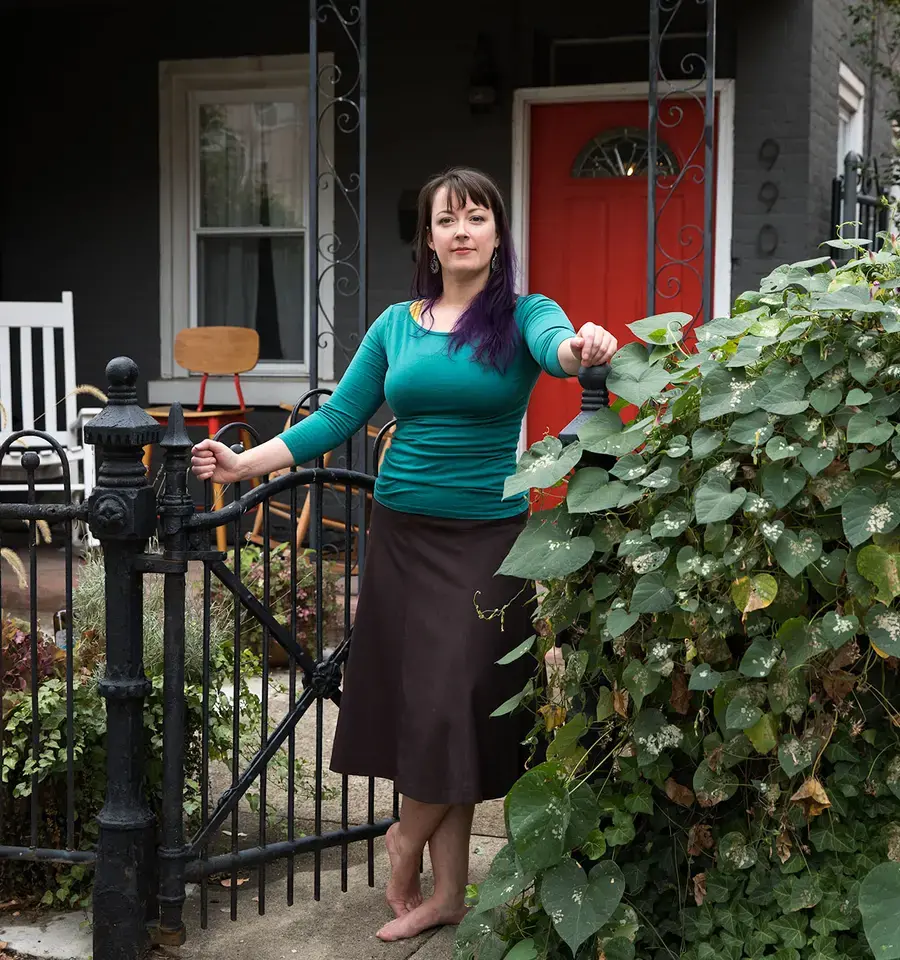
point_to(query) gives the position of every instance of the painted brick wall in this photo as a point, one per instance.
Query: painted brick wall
(772, 104)
(830, 45)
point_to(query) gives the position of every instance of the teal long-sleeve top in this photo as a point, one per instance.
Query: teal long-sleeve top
(458, 420)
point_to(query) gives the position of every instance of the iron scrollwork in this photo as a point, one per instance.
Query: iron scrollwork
(338, 171)
(692, 252)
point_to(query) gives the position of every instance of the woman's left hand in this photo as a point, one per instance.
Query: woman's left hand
(593, 345)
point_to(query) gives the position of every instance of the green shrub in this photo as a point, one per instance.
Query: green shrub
(722, 766)
(70, 886)
(279, 600)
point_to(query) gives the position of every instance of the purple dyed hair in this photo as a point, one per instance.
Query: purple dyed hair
(488, 323)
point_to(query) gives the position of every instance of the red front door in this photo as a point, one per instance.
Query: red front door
(588, 234)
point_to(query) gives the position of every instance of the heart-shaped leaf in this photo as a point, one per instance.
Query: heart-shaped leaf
(715, 501)
(779, 449)
(543, 464)
(580, 904)
(538, 809)
(671, 522)
(505, 880)
(724, 392)
(712, 787)
(633, 377)
(796, 754)
(759, 659)
(664, 328)
(754, 429)
(882, 568)
(705, 441)
(864, 513)
(838, 629)
(764, 734)
(796, 551)
(754, 593)
(782, 484)
(857, 397)
(884, 629)
(815, 459)
(620, 620)
(741, 714)
(704, 678)
(879, 904)
(591, 491)
(862, 458)
(864, 428)
(651, 595)
(772, 530)
(523, 950)
(825, 399)
(819, 358)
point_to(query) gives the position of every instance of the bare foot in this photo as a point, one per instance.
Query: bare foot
(403, 890)
(431, 913)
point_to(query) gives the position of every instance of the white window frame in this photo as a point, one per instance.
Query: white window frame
(183, 86)
(852, 110)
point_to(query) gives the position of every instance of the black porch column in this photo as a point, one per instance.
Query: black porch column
(122, 515)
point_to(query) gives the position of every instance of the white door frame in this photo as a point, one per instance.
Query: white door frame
(592, 93)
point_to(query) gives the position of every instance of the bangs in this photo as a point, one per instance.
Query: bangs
(464, 186)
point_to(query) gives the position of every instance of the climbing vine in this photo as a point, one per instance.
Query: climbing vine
(717, 760)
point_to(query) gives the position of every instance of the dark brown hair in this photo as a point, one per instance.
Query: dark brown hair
(488, 323)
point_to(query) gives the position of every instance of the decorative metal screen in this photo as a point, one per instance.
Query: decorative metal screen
(624, 152)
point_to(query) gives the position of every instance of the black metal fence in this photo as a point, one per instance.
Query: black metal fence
(142, 857)
(858, 201)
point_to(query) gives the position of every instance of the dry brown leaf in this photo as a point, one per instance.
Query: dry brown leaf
(699, 889)
(812, 797)
(680, 700)
(679, 794)
(699, 839)
(239, 883)
(846, 656)
(783, 846)
(542, 628)
(554, 716)
(714, 758)
(893, 849)
(839, 685)
(620, 702)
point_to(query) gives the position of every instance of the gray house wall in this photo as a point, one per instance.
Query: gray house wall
(79, 176)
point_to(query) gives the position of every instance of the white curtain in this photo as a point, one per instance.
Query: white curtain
(251, 163)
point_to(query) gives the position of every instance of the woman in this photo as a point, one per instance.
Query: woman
(457, 366)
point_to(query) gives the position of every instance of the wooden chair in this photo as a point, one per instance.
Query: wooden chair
(31, 399)
(283, 511)
(213, 351)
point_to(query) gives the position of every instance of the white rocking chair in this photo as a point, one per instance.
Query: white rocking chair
(43, 384)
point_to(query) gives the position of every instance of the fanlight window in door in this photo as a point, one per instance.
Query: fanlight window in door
(624, 152)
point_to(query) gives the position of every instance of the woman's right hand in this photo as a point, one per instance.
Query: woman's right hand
(211, 460)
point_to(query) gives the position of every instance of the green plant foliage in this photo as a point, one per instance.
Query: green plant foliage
(65, 886)
(722, 770)
(253, 575)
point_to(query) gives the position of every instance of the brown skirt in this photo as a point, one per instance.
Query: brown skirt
(422, 680)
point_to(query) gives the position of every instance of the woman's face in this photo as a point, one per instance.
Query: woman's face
(464, 238)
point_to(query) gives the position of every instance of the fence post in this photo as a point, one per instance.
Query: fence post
(122, 515)
(175, 506)
(594, 396)
(852, 164)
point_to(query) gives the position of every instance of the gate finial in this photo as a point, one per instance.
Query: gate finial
(594, 396)
(176, 435)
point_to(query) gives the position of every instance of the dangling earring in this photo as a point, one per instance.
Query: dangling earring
(434, 266)
(494, 261)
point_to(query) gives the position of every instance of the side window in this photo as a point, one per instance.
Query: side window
(851, 116)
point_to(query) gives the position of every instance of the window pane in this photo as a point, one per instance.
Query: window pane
(251, 163)
(255, 282)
